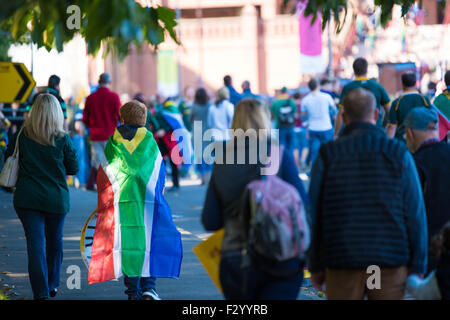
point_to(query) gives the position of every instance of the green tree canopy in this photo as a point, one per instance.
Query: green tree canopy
(115, 23)
(333, 8)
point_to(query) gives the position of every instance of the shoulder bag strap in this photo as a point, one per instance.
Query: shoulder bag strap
(16, 147)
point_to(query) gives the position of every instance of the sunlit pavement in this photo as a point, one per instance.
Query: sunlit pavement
(193, 284)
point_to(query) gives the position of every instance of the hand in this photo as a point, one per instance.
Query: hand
(318, 280)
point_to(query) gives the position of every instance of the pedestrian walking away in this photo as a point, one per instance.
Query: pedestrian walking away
(360, 67)
(101, 116)
(442, 101)
(284, 111)
(132, 210)
(316, 105)
(263, 278)
(41, 199)
(429, 153)
(367, 209)
(220, 116)
(409, 99)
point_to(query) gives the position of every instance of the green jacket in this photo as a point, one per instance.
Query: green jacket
(277, 104)
(442, 102)
(41, 184)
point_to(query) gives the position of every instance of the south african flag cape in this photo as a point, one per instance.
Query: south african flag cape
(134, 234)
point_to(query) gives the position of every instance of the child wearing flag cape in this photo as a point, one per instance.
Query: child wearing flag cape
(134, 235)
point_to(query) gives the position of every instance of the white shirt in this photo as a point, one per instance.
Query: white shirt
(220, 118)
(317, 105)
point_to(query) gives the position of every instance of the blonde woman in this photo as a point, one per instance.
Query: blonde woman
(220, 115)
(41, 199)
(222, 208)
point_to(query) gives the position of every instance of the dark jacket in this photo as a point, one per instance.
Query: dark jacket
(55, 93)
(41, 184)
(223, 199)
(366, 204)
(443, 275)
(433, 164)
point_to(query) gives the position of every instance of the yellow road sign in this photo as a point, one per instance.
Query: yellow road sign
(16, 82)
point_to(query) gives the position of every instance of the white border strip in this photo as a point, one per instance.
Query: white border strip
(149, 208)
(117, 248)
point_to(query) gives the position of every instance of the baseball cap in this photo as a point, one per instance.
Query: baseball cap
(420, 118)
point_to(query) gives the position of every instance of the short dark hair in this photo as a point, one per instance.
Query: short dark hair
(105, 78)
(325, 81)
(227, 80)
(201, 97)
(447, 78)
(359, 104)
(139, 97)
(312, 84)
(409, 79)
(54, 81)
(360, 66)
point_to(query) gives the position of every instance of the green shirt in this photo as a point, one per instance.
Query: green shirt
(442, 102)
(402, 106)
(41, 184)
(381, 96)
(185, 110)
(277, 104)
(151, 123)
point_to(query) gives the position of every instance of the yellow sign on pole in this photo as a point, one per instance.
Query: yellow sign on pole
(208, 252)
(16, 82)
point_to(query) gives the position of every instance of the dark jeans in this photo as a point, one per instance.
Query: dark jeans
(287, 138)
(175, 174)
(255, 284)
(138, 285)
(44, 234)
(316, 139)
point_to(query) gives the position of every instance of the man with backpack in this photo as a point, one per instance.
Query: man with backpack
(368, 216)
(409, 99)
(284, 111)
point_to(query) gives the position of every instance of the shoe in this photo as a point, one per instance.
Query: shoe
(53, 293)
(173, 189)
(130, 297)
(150, 295)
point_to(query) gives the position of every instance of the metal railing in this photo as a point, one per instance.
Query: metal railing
(11, 113)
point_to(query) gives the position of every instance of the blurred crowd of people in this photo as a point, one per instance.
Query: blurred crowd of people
(377, 172)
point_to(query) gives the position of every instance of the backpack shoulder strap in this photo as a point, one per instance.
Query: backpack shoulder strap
(424, 101)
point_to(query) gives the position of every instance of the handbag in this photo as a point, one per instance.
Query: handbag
(10, 171)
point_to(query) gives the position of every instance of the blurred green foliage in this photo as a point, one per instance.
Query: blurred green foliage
(337, 9)
(115, 23)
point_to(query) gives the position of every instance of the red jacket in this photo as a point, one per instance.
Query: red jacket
(101, 113)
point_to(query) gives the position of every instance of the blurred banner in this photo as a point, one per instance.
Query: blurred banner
(311, 60)
(167, 73)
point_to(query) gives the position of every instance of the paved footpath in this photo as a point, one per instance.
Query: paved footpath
(193, 284)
